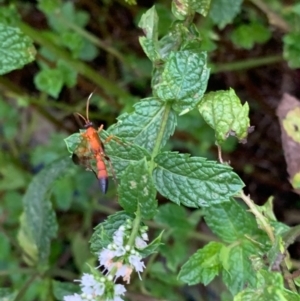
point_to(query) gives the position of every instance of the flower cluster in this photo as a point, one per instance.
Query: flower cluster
(119, 259)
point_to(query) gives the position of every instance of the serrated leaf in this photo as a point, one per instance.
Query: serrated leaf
(38, 221)
(193, 181)
(239, 271)
(239, 222)
(173, 216)
(222, 12)
(50, 81)
(137, 190)
(103, 233)
(16, 50)
(150, 48)
(48, 6)
(224, 112)
(142, 127)
(203, 266)
(184, 80)
(68, 73)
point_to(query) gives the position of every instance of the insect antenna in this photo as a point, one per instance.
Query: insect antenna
(79, 115)
(88, 105)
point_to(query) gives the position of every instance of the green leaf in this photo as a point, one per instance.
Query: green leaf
(50, 81)
(137, 190)
(149, 24)
(222, 12)
(193, 181)
(184, 80)
(142, 127)
(9, 15)
(62, 289)
(174, 216)
(239, 222)
(269, 287)
(68, 73)
(16, 50)
(103, 234)
(246, 35)
(237, 266)
(203, 266)
(38, 221)
(291, 49)
(48, 6)
(80, 250)
(224, 112)
(182, 8)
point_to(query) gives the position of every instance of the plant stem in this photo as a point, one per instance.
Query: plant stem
(24, 288)
(248, 64)
(108, 86)
(160, 134)
(258, 215)
(135, 227)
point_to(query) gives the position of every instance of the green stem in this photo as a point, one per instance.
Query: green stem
(160, 134)
(25, 287)
(135, 227)
(248, 64)
(108, 86)
(258, 215)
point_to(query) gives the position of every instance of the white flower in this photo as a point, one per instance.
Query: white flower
(145, 236)
(75, 297)
(120, 289)
(118, 237)
(105, 257)
(140, 243)
(136, 262)
(119, 251)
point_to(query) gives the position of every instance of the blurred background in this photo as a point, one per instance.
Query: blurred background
(86, 46)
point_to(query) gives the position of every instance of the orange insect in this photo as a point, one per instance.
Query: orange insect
(92, 147)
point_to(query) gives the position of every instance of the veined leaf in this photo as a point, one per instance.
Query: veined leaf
(237, 267)
(142, 127)
(38, 221)
(103, 234)
(222, 12)
(224, 112)
(16, 50)
(184, 80)
(193, 181)
(137, 190)
(203, 266)
(238, 221)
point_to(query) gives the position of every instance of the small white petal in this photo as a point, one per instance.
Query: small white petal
(136, 262)
(145, 236)
(120, 289)
(140, 243)
(75, 297)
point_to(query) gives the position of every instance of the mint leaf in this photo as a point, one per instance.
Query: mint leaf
(38, 221)
(152, 247)
(193, 181)
(222, 12)
(143, 126)
(184, 80)
(68, 73)
(291, 49)
(182, 8)
(239, 222)
(246, 35)
(237, 267)
(203, 266)
(16, 50)
(50, 81)
(174, 217)
(103, 234)
(224, 112)
(269, 287)
(48, 6)
(137, 190)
